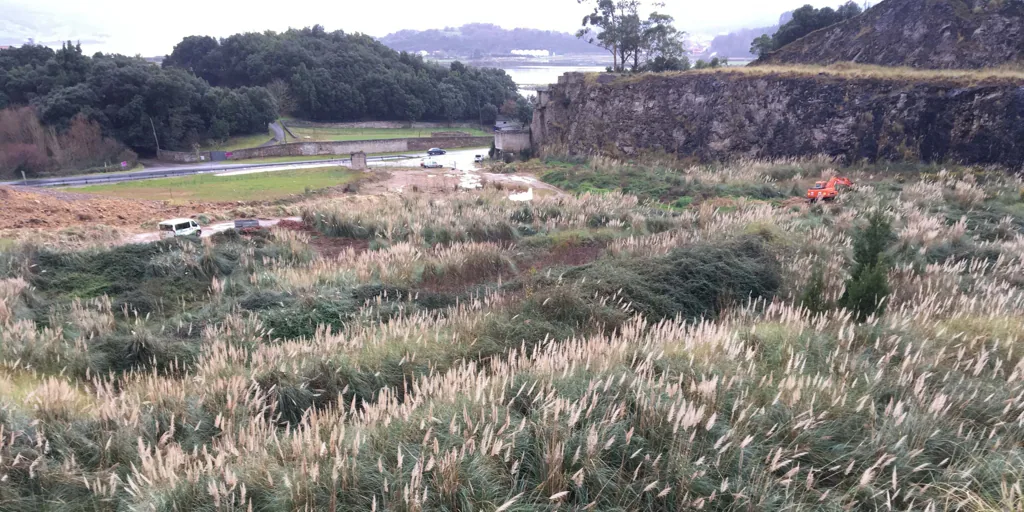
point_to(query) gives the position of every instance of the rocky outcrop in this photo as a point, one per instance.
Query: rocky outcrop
(937, 34)
(761, 113)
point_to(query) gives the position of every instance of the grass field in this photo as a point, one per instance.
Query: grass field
(240, 142)
(330, 134)
(710, 346)
(246, 187)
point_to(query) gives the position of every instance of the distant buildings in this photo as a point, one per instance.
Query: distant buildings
(531, 53)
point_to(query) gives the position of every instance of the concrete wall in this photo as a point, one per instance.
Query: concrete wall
(340, 148)
(514, 141)
(182, 157)
(425, 143)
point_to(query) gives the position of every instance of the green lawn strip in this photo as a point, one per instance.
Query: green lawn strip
(339, 134)
(239, 142)
(244, 187)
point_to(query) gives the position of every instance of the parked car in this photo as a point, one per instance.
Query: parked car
(478, 158)
(436, 151)
(431, 164)
(179, 227)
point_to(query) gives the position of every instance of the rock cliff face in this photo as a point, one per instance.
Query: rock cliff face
(724, 115)
(919, 33)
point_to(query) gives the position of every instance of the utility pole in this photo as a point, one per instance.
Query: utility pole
(153, 126)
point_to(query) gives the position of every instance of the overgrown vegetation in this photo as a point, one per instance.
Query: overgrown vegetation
(593, 351)
(29, 149)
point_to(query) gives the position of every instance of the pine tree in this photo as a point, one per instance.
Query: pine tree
(868, 286)
(813, 297)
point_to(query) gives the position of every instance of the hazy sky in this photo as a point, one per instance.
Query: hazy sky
(153, 28)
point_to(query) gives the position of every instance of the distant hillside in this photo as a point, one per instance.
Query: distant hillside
(481, 39)
(919, 33)
(737, 44)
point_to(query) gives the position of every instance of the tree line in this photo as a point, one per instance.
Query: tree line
(130, 100)
(209, 90)
(334, 76)
(804, 20)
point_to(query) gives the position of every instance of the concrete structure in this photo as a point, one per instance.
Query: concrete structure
(359, 161)
(504, 123)
(183, 157)
(512, 141)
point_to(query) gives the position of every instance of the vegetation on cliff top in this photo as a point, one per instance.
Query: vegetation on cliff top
(851, 71)
(803, 21)
(466, 351)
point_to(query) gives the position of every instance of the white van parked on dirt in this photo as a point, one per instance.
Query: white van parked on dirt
(179, 227)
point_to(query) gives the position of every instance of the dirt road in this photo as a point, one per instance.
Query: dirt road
(208, 231)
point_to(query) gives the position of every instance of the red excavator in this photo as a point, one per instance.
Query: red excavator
(826, 190)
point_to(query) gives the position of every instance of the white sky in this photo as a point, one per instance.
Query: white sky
(153, 28)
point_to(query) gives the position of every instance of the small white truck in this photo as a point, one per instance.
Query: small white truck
(179, 227)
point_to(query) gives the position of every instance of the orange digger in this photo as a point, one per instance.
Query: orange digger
(826, 190)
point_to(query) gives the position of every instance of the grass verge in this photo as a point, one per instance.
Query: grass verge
(260, 186)
(331, 134)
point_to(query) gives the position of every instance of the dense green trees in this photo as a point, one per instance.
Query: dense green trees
(340, 77)
(209, 89)
(805, 20)
(129, 98)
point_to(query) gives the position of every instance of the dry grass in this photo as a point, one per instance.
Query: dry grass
(853, 71)
(516, 392)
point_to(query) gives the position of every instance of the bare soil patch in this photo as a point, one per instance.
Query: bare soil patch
(43, 208)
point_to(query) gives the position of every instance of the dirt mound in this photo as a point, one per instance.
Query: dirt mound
(41, 208)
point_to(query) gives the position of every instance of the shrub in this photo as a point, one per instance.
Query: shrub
(813, 296)
(867, 287)
(865, 294)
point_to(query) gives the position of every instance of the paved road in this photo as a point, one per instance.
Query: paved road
(459, 159)
(278, 135)
(181, 170)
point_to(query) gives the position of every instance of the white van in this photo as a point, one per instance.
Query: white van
(179, 227)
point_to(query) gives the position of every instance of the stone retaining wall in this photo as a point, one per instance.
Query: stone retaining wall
(182, 157)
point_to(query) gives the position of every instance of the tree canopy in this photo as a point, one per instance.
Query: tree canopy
(210, 89)
(804, 20)
(334, 76)
(129, 98)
